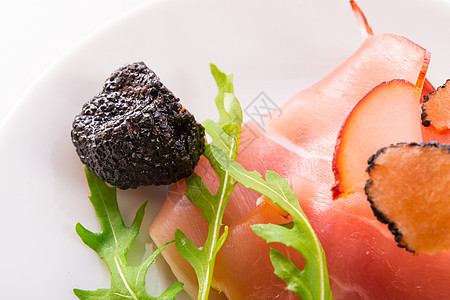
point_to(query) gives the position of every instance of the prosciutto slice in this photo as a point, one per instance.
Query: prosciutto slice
(363, 259)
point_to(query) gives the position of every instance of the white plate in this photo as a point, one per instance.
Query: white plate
(276, 47)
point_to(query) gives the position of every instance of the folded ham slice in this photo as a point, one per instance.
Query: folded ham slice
(363, 260)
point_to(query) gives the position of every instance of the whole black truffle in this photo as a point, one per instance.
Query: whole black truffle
(135, 132)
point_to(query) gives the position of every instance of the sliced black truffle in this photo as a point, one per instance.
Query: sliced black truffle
(436, 108)
(135, 132)
(408, 189)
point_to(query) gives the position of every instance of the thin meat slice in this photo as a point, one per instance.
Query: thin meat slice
(241, 244)
(315, 115)
(178, 212)
(363, 261)
(427, 88)
(430, 134)
(260, 154)
(387, 114)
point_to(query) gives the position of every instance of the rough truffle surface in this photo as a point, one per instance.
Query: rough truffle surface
(135, 132)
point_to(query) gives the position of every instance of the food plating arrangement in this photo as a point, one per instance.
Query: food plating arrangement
(344, 195)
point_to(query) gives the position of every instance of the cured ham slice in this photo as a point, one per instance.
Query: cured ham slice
(363, 260)
(178, 212)
(430, 134)
(388, 114)
(259, 273)
(365, 263)
(315, 115)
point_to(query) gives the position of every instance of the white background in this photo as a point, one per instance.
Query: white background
(33, 34)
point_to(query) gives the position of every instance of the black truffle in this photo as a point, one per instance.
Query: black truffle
(135, 132)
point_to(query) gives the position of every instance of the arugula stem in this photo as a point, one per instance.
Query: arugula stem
(225, 134)
(312, 281)
(214, 231)
(122, 276)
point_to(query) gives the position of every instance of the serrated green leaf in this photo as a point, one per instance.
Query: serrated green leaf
(230, 113)
(312, 281)
(193, 254)
(233, 108)
(112, 245)
(280, 234)
(288, 271)
(225, 85)
(201, 196)
(225, 134)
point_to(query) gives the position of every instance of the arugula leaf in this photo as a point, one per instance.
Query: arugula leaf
(310, 283)
(225, 134)
(112, 245)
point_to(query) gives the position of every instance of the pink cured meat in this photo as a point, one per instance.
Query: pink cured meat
(315, 115)
(363, 260)
(260, 276)
(178, 212)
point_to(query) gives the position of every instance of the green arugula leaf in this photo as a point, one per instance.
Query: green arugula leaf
(310, 283)
(112, 245)
(225, 134)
